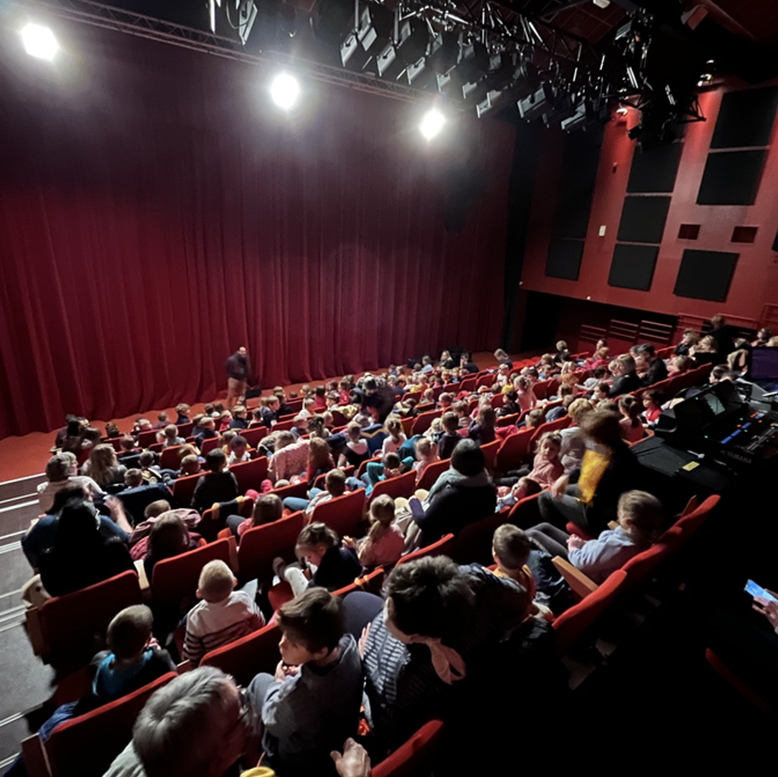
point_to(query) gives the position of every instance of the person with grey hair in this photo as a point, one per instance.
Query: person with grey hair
(199, 723)
(627, 379)
(61, 471)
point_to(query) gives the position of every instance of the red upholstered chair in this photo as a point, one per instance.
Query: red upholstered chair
(727, 674)
(402, 485)
(169, 458)
(553, 385)
(640, 568)
(690, 522)
(490, 453)
(371, 583)
(549, 426)
(514, 451)
(338, 418)
(248, 656)
(69, 623)
(468, 384)
(283, 426)
(363, 466)
(573, 624)
(439, 548)
(209, 445)
(250, 474)
(114, 442)
(425, 407)
(540, 389)
(261, 544)
(295, 489)
(413, 756)
(474, 543)
(525, 512)
(487, 380)
(295, 405)
(498, 400)
(183, 489)
(211, 526)
(508, 420)
(86, 745)
(423, 421)
(147, 438)
(253, 436)
(174, 579)
(184, 430)
(343, 514)
(432, 472)
(156, 447)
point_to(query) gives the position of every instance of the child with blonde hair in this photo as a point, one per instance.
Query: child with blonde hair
(222, 616)
(395, 436)
(525, 396)
(546, 467)
(169, 437)
(384, 543)
(355, 451)
(426, 454)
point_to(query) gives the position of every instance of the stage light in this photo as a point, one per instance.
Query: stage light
(285, 90)
(39, 41)
(432, 123)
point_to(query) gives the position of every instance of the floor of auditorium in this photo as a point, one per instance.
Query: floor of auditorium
(653, 699)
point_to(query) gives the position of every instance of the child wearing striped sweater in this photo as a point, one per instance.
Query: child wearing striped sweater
(223, 616)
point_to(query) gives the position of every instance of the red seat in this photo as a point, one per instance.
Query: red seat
(250, 474)
(69, 623)
(573, 624)
(174, 579)
(540, 389)
(639, 568)
(157, 447)
(432, 472)
(468, 384)
(474, 543)
(727, 674)
(343, 514)
(363, 466)
(86, 745)
(423, 421)
(498, 400)
(514, 450)
(261, 544)
(183, 489)
(184, 430)
(295, 489)
(248, 656)
(147, 438)
(413, 756)
(283, 426)
(338, 418)
(210, 527)
(690, 522)
(549, 426)
(525, 512)
(209, 445)
(551, 389)
(114, 442)
(487, 380)
(402, 485)
(170, 458)
(508, 420)
(490, 452)
(439, 548)
(254, 435)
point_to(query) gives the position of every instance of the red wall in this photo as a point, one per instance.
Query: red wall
(755, 282)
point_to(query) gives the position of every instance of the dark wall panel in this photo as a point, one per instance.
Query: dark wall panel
(564, 258)
(643, 219)
(746, 118)
(654, 171)
(731, 178)
(633, 266)
(705, 275)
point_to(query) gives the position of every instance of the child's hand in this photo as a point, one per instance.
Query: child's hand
(559, 487)
(574, 541)
(348, 542)
(355, 762)
(363, 640)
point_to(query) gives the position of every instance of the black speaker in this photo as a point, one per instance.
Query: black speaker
(632, 266)
(731, 178)
(705, 275)
(564, 258)
(643, 219)
(746, 118)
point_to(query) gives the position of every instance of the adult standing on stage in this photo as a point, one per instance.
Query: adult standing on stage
(237, 367)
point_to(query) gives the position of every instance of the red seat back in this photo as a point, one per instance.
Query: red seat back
(363, 466)
(490, 452)
(183, 489)
(690, 522)
(439, 548)
(69, 623)
(209, 445)
(402, 485)
(508, 420)
(253, 436)
(540, 389)
(184, 430)
(498, 400)
(525, 512)
(283, 426)
(549, 426)
(468, 384)
(639, 568)
(551, 389)
(86, 745)
(371, 583)
(413, 756)
(423, 421)
(573, 624)
(174, 579)
(250, 474)
(246, 657)
(487, 380)
(474, 543)
(169, 458)
(114, 442)
(514, 450)
(343, 514)
(156, 447)
(147, 438)
(294, 489)
(432, 472)
(261, 544)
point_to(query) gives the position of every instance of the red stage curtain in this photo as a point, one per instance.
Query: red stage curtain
(156, 212)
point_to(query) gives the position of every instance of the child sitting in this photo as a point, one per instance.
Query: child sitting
(183, 411)
(639, 523)
(598, 374)
(389, 467)
(320, 398)
(395, 436)
(148, 467)
(112, 431)
(384, 543)
(547, 468)
(205, 431)
(162, 420)
(333, 566)
(239, 418)
(216, 485)
(355, 451)
(312, 704)
(239, 451)
(450, 437)
(652, 402)
(224, 421)
(511, 550)
(426, 454)
(631, 427)
(445, 401)
(523, 488)
(223, 616)
(334, 486)
(600, 392)
(169, 436)
(482, 429)
(127, 445)
(190, 465)
(535, 418)
(267, 509)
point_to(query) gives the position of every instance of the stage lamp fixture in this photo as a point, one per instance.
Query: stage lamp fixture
(39, 41)
(285, 90)
(432, 123)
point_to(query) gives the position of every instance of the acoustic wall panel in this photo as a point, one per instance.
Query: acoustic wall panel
(632, 266)
(731, 178)
(746, 118)
(643, 219)
(564, 258)
(654, 170)
(705, 275)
